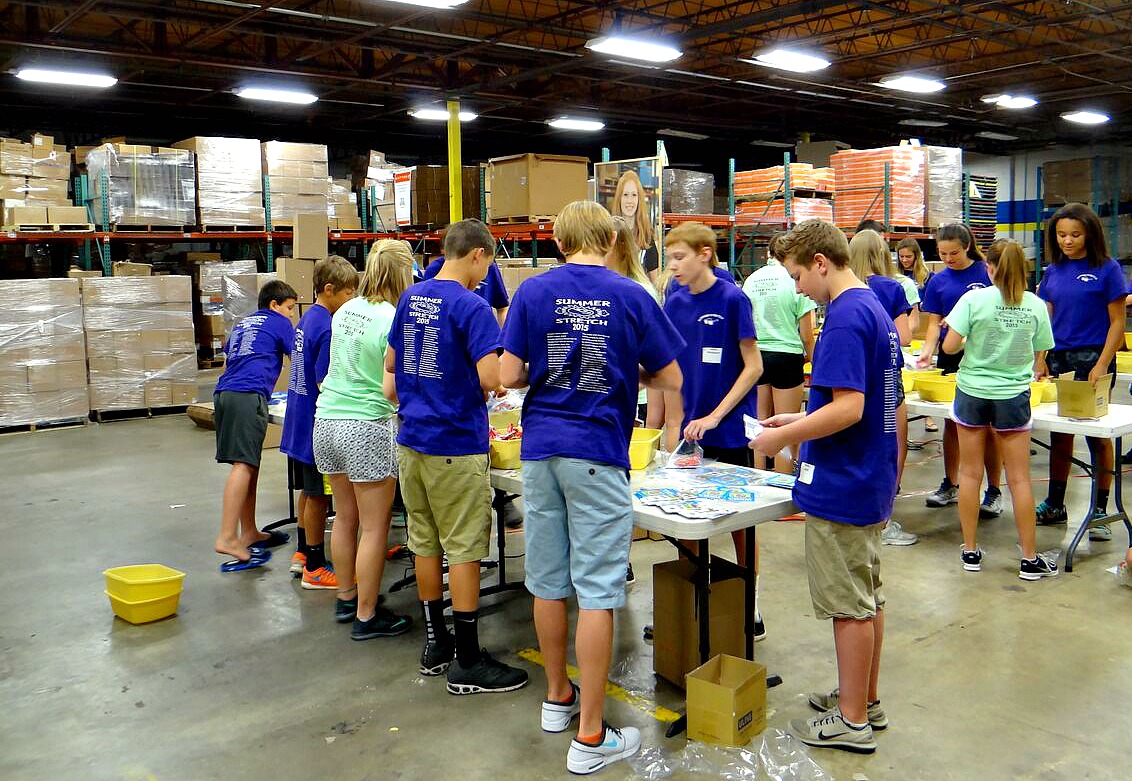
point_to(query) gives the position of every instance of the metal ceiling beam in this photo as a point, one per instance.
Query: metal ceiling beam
(72, 17)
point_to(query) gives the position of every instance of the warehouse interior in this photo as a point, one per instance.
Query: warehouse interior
(161, 161)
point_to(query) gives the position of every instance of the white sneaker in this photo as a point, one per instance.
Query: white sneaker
(830, 730)
(894, 534)
(556, 717)
(617, 743)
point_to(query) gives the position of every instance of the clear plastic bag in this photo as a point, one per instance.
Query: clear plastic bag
(779, 757)
(688, 455)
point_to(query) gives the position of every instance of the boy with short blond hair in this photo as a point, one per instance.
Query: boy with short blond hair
(848, 449)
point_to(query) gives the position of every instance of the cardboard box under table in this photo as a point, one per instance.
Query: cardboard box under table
(726, 701)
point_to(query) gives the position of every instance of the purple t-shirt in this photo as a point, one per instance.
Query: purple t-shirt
(850, 477)
(712, 324)
(720, 272)
(583, 331)
(254, 353)
(891, 294)
(491, 289)
(946, 287)
(440, 332)
(310, 360)
(1080, 296)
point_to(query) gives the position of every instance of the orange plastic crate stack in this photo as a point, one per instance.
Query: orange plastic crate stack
(800, 208)
(859, 191)
(765, 181)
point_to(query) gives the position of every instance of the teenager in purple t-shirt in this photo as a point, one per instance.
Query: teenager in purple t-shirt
(491, 288)
(1085, 290)
(335, 282)
(846, 477)
(583, 338)
(252, 362)
(965, 270)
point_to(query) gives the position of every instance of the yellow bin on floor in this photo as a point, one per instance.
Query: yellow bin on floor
(642, 448)
(143, 582)
(505, 453)
(145, 611)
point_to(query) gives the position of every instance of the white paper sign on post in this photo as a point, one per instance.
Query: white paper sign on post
(402, 196)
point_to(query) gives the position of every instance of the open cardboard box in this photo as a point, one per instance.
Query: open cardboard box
(726, 701)
(1079, 399)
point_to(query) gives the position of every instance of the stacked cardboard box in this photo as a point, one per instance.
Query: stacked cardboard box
(342, 206)
(145, 185)
(428, 195)
(33, 179)
(943, 195)
(42, 352)
(241, 295)
(139, 338)
(525, 187)
(374, 174)
(1087, 180)
(296, 176)
(229, 180)
(518, 270)
(860, 185)
(688, 192)
(208, 273)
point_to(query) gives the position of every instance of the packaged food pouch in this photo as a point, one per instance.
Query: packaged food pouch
(688, 455)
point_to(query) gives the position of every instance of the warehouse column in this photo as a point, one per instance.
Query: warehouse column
(455, 169)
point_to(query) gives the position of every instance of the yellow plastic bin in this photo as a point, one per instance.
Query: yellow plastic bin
(143, 582)
(936, 389)
(1037, 393)
(642, 448)
(1124, 363)
(505, 453)
(144, 611)
(1049, 391)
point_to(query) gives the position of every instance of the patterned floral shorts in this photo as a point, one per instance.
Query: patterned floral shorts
(364, 450)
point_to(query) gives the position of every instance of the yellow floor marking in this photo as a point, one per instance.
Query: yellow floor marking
(612, 690)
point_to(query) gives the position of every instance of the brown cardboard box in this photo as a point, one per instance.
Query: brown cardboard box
(676, 617)
(53, 376)
(126, 269)
(349, 223)
(529, 185)
(311, 237)
(299, 274)
(726, 701)
(176, 289)
(13, 188)
(67, 215)
(158, 393)
(1079, 399)
(78, 273)
(285, 150)
(210, 327)
(182, 392)
(513, 276)
(25, 215)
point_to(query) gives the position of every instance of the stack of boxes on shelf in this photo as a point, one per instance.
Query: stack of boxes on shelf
(761, 194)
(688, 192)
(342, 206)
(229, 181)
(208, 272)
(427, 204)
(374, 171)
(33, 184)
(146, 186)
(925, 186)
(309, 246)
(530, 187)
(139, 338)
(297, 177)
(42, 352)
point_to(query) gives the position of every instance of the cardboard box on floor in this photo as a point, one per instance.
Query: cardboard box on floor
(1079, 399)
(676, 633)
(726, 701)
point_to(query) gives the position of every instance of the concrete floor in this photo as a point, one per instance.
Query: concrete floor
(985, 676)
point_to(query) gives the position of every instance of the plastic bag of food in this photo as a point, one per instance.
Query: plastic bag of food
(687, 455)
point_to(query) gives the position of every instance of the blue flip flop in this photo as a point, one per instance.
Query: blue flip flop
(274, 540)
(258, 559)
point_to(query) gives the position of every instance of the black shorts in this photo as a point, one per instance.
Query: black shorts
(948, 362)
(241, 425)
(1005, 415)
(736, 456)
(783, 371)
(1080, 361)
(306, 478)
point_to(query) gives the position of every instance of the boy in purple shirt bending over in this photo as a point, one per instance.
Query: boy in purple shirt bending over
(252, 362)
(848, 437)
(582, 337)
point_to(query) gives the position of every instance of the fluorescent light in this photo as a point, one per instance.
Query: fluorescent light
(66, 78)
(774, 144)
(440, 114)
(789, 60)
(913, 122)
(990, 135)
(442, 4)
(634, 48)
(1086, 117)
(277, 95)
(1011, 101)
(567, 123)
(667, 131)
(913, 84)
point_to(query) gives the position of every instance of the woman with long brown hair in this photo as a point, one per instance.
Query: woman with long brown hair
(631, 202)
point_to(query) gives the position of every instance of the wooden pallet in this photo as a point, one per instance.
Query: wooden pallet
(139, 228)
(74, 227)
(44, 425)
(524, 219)
(232, 228)
(30, 228)
(109, 416)
(908, 229)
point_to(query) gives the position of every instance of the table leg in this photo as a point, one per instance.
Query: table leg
(749, 576)
(703, 599)
(291, 517)
(499, 502)
(1094, 477)
(1118, 494)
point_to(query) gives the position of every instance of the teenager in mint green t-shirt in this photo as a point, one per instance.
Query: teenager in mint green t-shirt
(784, 321)
(1007, 332)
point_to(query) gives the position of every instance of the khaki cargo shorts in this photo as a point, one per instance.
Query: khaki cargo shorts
(448, 500)
(843, 565)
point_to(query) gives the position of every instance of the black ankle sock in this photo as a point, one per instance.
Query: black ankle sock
(1056, 496)
(316, 557)
(994, 490)
(1102, 500)
(467, 637)
(435, 628)
(302, 537)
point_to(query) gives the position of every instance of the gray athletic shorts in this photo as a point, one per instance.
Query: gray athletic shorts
(241, 425)
(363, 450)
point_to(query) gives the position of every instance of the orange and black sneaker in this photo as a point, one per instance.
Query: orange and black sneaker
(321, 578)
(298, 561)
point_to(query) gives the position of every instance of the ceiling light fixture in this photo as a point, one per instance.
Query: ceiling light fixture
(634, 48)
(913, 122)
(774, 144)
(1011, 101)
(440, 114)
(789, 60)
(1086, 117)
(277, 95)
(441, 4)
(917, 84)
(667, 131)
(66, 78)
(570, 123)
(990, 135)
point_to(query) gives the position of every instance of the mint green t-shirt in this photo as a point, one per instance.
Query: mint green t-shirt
(910, 289)
(777, 307)
(359, 334)
(998, 360)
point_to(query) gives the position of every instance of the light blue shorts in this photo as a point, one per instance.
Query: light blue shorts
(578, 526)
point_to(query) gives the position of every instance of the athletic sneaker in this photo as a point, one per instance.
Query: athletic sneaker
(760, 628)
(630, 577)
(1048, 514)
(616, 743)
(437, 655)
(992, 503)
(1037, 568)
(384, 623)
(972, 559)
(1100, 533)
(487, 676)
(830, 730)
(556, 716)
(944, 495)
(298, 561)
(894, 534)
(321, 578)
(345, 610)
(823, 703)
